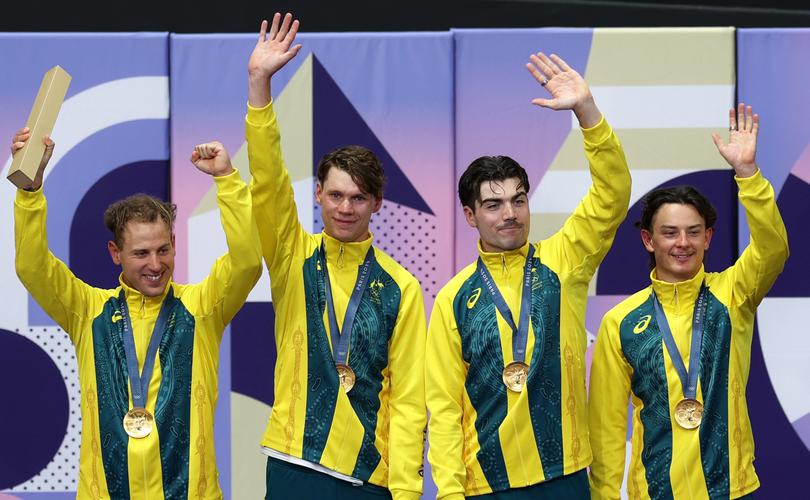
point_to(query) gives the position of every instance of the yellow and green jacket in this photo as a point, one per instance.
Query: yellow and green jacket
(374, 433)
(630, 361)
(484, 438)
(177, 459)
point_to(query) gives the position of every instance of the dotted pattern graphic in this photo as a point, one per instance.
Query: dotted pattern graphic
(62, 473)
(409, 237)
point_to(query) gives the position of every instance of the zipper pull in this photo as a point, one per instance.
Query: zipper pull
(340, 259)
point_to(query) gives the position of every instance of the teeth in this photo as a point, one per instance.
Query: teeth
(153, 277)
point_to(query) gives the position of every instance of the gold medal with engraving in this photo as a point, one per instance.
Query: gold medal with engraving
(138, 423)
(689, 413)
(515, 375)
(346, 377)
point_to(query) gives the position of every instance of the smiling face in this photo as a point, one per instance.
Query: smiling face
(346, 209)
(501, 216)
(678, 240)
(146, 256)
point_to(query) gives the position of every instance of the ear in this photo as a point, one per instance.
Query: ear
(115, 253)
(377, 205)
(318, 192)
(709, 233)
(646, 239)
(470, 216)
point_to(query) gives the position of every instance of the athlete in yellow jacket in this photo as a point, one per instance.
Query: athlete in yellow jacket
(349, 412)
(152, 441)
(507, 403)
(681, 348)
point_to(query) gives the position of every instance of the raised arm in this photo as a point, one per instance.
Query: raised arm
(271, 188)
(408, 413)
(588, 233)
(609, 393)
(234, 274)
(764, 258)
(63, 296)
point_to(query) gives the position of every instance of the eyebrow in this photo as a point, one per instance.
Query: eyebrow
(522, 193)
(694, 226)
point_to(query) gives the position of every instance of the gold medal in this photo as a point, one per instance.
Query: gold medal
(689, 413)
(515, 375)
(346, 377)
(138, 423)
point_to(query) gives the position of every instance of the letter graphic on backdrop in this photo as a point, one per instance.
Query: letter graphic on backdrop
(111, 141)
(390, 93)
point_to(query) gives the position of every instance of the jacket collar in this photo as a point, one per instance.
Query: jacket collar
(343, 253)
(679, 297)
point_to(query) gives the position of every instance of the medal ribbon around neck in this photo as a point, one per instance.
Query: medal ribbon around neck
(340, 342)
(520, 332)
(688, 379)
(139, 385)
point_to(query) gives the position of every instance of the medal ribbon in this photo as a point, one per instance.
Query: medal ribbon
(340, 343)
(140, 385)
(688, 379)
(520, 332)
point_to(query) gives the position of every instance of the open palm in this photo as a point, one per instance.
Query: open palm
(741, 150)
(274, 48)
(566, 86)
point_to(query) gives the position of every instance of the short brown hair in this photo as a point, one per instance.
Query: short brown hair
(139, 208)
(360, 163)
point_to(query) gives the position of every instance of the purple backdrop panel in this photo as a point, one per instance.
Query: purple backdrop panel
(494, 114)
(773, 76)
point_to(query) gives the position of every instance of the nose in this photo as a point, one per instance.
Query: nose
(154, 262)
(508, 211)
(682, 239)
(345, 205)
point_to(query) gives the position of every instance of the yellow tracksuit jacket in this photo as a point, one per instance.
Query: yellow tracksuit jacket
(375, 432)
(484, 438)
(630, 360)
(177, 459)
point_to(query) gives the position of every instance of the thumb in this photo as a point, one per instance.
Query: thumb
(717, 141)
(545, 103)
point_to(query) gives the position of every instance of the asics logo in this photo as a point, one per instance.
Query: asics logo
(642, 324)
(473, 298)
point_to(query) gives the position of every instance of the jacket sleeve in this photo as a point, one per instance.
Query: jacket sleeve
(62, 295)
(609, 393)
(272, 193)
(407, 403)
(764, 258)
(445, 372)
(588, 233)
(234, 274)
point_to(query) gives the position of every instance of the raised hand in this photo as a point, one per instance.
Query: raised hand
(274, 49)
(567, 88)
(17, 143)
(741, 150)
(212, 158)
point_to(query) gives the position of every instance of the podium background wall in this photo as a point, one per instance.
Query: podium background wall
(428, 104)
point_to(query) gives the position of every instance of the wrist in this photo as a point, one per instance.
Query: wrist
(587, 113)
(744, 171)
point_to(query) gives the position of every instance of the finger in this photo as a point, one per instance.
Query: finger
(294, 51)
(195, 157)
(48, 142)
(263, 31)
(548, 73)
(559, 61)
(23, 130)
(274, 26)
(200, 150)
(732, 120)
(740, 116)
(755, 126)
(717, 141)
(537, 74)
(16, 146)
(749, 119)
(285, 26)
(548, 62)
(545, 103)
(288, 40)
(21, 136)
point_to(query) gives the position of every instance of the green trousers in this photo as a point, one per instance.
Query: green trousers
(571, 487)
(286, 481)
